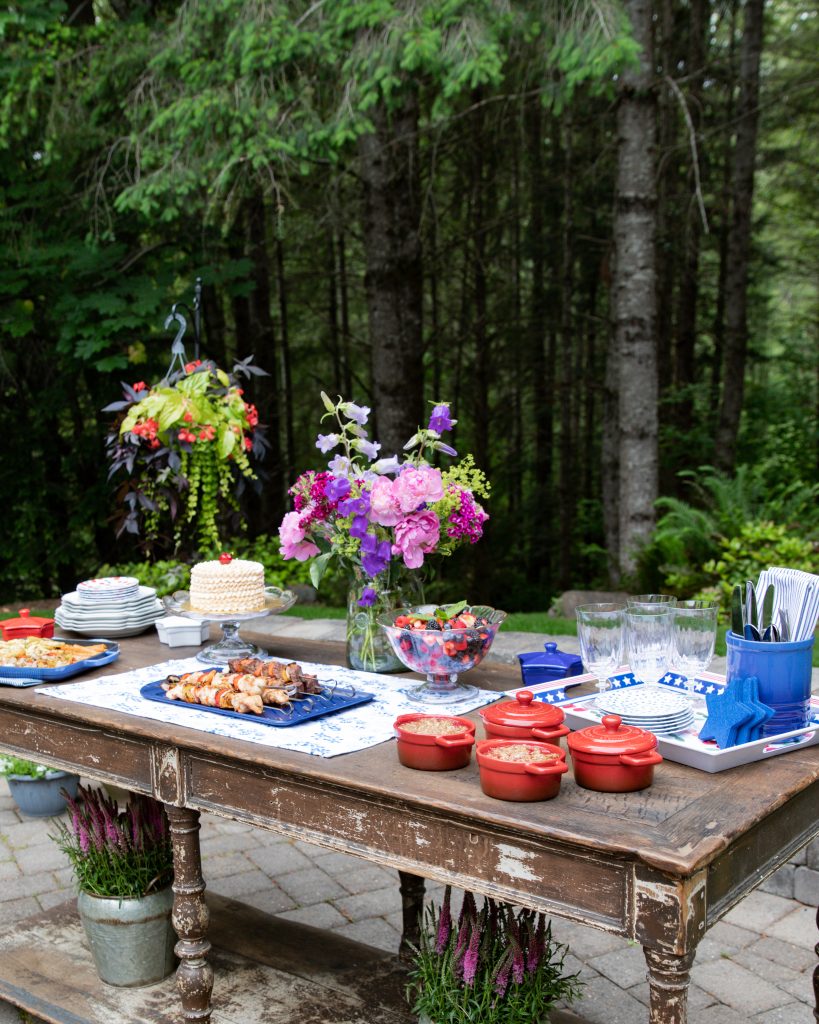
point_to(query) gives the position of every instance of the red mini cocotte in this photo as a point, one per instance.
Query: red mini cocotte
(524, 718)
(520, 780)
(434, 752)
(612, 757)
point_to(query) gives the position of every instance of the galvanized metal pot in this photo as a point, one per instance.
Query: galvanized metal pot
(41, 798)
(131, 940)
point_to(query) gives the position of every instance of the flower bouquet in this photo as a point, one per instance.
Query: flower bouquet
(381, 517)
(183, 446)
(494, 966)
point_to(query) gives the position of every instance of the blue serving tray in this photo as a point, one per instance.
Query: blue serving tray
(32, 676)
(303, 711)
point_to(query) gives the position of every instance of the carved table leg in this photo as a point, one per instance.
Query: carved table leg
(194, 976)
(412, 906)
(668, 978)
(816, 977)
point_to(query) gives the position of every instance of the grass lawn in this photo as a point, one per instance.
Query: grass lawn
(520, 622)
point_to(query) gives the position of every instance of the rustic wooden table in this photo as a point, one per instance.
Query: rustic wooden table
(659, 866)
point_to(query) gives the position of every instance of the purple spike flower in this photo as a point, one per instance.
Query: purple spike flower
(471, 956)
(444, 922)
(502, 977)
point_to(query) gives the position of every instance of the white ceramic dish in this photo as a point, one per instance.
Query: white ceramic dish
(176, 631)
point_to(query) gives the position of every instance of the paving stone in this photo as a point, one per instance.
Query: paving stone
(776, 974)
(47, 900)
(800, 990)
(278, 860)
(320, 915)
(723, 939)
(63, 876)
(792, 1013)
(227, 864)
(812, 854)
(15, 910)
(26, 885)
(801, 856)
(335, 863)
(798, 957)
(30, 832)
(228, 843)
(238, 885)
(369, 904)
(9, 818)
(719, 1014)
(780, 883)
(603, 1002)
(228, 825)
(43, 857)
(271, 900)
(625, 967)
(758, 910)
(798, 927)
(9, 870)
(373, 932)
(698, 998)
(737, 987)
(309, 886)
(806, 886)
(365, 878)
(585, 942)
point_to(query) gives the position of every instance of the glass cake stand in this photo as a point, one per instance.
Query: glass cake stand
(231, 645)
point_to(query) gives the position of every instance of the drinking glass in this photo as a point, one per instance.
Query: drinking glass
(693, 637)
(649, 600)
(648, 640)
(600, 632)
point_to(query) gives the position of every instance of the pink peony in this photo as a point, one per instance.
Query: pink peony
(416, 536)
(292, 537)
(414, 487)
(384, 507)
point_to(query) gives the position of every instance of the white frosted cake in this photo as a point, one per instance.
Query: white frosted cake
(227, 586)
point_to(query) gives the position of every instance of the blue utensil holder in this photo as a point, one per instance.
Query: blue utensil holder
(784, 674)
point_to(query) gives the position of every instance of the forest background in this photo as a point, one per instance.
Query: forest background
(591, 227)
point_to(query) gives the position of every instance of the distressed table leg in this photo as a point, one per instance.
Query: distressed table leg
(412, 907)
(194, 976)
(668, 978)
(816, 976)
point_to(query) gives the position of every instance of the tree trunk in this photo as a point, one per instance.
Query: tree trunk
(685, 342)
(569, 456)
(389, 163)
(287, 380)
(739, 239)
(634, 298)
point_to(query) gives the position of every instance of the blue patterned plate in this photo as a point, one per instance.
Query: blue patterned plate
(56, 675)
(302, 710)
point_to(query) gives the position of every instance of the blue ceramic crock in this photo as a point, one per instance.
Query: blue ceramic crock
(784, 674)
(548, 665)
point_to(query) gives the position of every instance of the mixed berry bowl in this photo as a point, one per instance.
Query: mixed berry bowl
(442, 648)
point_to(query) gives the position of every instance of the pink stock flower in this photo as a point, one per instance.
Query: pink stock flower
(292, 537)
(415, 487)
(415, 536)
(384, 507)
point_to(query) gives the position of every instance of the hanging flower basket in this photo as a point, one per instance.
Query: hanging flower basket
(182, 451)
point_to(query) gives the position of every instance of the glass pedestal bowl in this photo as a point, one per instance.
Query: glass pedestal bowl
(443, 654)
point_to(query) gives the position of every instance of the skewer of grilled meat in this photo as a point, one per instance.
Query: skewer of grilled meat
(216, 697)
(239, 683)
(277, 671)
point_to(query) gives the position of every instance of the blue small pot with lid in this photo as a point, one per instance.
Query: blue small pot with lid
(548, 665)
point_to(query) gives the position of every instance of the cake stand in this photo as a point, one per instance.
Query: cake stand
(231, 645)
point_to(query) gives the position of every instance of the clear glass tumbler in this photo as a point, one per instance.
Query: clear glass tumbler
(693, 637)
(650, 600)
(649, 640)
(600, 632)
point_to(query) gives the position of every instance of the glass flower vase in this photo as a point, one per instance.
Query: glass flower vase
(368, 647)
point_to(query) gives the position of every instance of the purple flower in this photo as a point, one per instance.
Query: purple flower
(355, 506)
(368, 596)
(358, 413)
(502, 977)
(444, 922)
(445, 448)
(359, 526)
(375, 554)
(368, 448)
(340, 465)
(337, 488)
(440, 420)
(390, 465)
(326, 442)
(471, 957)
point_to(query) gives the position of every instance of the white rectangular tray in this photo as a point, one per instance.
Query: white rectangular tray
(684, 747)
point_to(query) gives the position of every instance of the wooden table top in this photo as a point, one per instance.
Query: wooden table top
(679, 825)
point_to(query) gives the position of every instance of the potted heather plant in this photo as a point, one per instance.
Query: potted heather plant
(36, 788)
(495, 965)
(123, 864)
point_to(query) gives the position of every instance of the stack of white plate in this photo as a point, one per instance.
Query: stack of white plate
(655, 708)
(124, 611)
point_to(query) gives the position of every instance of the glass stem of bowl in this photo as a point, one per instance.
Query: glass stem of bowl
(440, 684)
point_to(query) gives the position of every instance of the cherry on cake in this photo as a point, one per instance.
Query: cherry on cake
(227, 585)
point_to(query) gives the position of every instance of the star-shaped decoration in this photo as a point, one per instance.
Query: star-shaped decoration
(710, 689)
(748, 691)
(698, 686)
(726, 715)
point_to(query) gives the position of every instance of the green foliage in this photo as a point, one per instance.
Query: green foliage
(758, 545)
(18, 766)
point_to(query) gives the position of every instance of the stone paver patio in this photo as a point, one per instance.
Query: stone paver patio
(754, 967)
